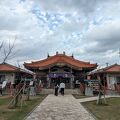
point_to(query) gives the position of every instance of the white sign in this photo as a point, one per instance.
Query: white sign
(31, 83)
(4, 84)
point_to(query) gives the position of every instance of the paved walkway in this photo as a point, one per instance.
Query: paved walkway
(60, 108)
(95, 98)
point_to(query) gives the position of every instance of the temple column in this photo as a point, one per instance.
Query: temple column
(71, 81)
(48, 81)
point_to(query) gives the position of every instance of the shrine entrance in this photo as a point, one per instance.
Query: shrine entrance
(61, 77)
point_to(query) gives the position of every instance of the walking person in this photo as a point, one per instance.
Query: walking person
(62, 87)
(56, 89)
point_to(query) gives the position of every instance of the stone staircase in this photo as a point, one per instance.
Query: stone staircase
(67, 91)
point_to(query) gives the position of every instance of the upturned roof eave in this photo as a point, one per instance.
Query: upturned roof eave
(48, 66)
(59, 59)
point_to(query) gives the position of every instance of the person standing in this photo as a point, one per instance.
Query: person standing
(62, 87)
(56, 89)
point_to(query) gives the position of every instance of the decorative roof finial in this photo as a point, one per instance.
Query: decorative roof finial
(57, 53)
(72, 55)
(107, 64)
(48, 55)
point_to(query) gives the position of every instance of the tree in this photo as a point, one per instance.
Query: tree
(6, 53)
(101, 91)
(7, 50)
(1, 45)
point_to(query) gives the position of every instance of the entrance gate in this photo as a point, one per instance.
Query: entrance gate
(60, 77)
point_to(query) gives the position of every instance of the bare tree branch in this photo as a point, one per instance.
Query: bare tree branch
(1, 45)
(8, 53)
(7, 50)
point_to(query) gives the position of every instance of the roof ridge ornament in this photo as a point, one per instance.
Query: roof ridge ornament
(72, 55)
(57, 53)
(48, 55)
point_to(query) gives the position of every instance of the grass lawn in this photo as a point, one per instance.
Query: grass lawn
(110, 111)
(17, 113)
(77, 96)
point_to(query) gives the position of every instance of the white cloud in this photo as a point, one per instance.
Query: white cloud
(89, 29)
(104, 37)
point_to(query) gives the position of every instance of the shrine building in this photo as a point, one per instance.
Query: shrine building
(13, 74)
(60, 68)
(109, 77)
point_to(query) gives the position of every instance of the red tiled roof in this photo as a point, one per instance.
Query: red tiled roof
(59, 58)
(115, 68)
(5, 67)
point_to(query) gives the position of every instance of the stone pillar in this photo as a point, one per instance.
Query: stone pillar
(71, 81)
(48, 81)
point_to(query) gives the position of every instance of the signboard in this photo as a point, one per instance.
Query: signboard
(56, 75)
(92, 83)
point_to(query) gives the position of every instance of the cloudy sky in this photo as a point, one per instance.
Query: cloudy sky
(90, 29)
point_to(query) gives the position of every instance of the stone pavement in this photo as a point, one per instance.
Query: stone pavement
(90, 99)
(95, 98)
(60, 108)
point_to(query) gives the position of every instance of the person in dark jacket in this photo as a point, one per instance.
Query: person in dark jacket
(56, 89)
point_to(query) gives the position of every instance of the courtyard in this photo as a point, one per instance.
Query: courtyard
(59, 60)
(67, 107)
